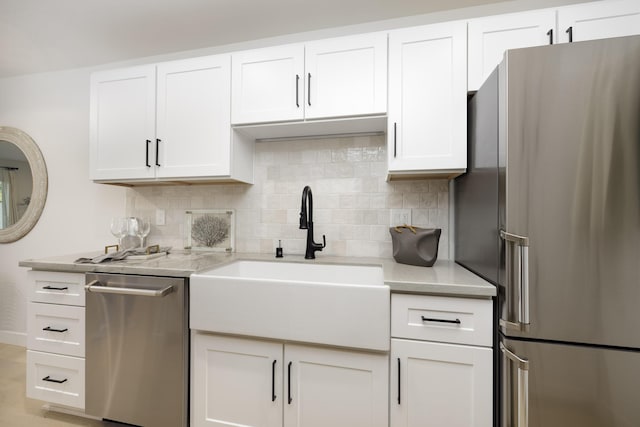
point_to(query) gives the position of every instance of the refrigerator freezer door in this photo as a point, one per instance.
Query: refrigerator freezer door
(558, 385)
(571, 186)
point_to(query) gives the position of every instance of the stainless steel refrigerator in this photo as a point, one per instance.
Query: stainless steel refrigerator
(549, 211)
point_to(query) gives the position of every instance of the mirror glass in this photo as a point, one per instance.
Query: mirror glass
(16, 184)
(23, 184)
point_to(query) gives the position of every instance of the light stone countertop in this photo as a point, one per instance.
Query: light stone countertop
(444, 278)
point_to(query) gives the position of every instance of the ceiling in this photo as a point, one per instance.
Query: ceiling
(38, 36)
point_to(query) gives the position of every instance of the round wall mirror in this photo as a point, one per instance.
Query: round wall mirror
(23, 184)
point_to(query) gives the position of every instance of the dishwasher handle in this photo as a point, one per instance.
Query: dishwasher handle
(94, 286)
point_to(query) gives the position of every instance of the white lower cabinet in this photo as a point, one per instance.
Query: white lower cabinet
(250, 382)
(439, 384)
(56, 338)
(446, 383)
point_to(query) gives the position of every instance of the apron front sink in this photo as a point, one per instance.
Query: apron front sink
(333, 304)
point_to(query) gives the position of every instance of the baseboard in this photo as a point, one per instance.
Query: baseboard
(13, 338)
(66, 410)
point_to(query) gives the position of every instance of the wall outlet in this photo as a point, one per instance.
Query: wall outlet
(159, 216)
(399, 217)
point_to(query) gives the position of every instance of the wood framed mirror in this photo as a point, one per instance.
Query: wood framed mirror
(23, 184)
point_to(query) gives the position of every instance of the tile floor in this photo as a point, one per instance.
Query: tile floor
(18, 411)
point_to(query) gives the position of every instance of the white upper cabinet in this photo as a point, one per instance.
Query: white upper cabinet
(166, 121)
(339, 77)
(346, 76)
(122, 123)
(427, 118)
(491, 36)
(599, 20)
(268, 84)
(194, 117)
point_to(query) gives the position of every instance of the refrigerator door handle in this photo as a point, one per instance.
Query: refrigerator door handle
(517, 269)
(521, 418)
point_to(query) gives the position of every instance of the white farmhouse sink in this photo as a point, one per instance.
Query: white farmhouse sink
(342, 305)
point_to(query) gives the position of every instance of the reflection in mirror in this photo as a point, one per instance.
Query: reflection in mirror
(23, 184)
(16, 184)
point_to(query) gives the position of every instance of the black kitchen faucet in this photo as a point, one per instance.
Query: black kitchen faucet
(306, 223)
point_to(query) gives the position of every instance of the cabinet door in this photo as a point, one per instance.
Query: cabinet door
(336, 388)
(122, 123)
(194, 125)
(428, 99)
(236, 382)
(434, 384)
(346, 76)
(599, 20)
(268, 85)
(490, 37)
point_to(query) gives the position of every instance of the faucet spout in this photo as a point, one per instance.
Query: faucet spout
(306, 223)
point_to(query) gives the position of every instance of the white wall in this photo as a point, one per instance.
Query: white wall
(53, 108)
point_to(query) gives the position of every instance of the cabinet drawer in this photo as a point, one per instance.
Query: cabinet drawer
(56, 379)
(56, 328)
(57, 288)
(444, 319)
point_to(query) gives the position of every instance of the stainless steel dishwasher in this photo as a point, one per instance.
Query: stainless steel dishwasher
(137, 349)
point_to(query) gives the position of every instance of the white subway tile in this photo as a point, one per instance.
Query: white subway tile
(351, 199)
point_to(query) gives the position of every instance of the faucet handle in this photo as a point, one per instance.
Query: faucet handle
(324, 242)
(303, 221)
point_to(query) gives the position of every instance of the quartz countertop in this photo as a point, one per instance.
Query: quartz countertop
(444, 278)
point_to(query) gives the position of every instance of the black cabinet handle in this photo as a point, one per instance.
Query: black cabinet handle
(297, 85)
(395, 139)
(50, 329)
(398, 380)
(309, 88)
(51, 380)
(431, 319)
(273, 381)
(157, 151)
(53, 288)
(146, 162)
(550, 34)
(570, 32)
(289, 383)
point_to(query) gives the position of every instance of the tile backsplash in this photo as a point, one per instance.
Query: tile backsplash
(351, 199)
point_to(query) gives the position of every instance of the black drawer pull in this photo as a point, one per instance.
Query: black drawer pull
(290, 399)
(50, 329)
(147, 154)
(398, 381)
(431, 319)
(158, 141)
(51, 380)
(395, 139)
(273, 381)
(53, 288)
